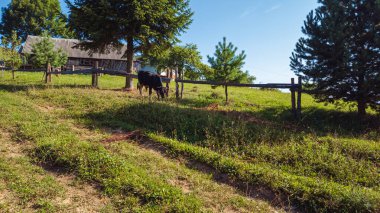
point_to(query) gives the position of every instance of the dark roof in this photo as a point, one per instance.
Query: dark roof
(68, 46)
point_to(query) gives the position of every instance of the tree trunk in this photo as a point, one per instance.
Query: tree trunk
(362, 108)
(130, 54)
(47, 73)
(13, 72)
(362, 105)
(182, 83)
(226, 91)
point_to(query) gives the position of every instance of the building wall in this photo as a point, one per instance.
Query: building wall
(81, 63)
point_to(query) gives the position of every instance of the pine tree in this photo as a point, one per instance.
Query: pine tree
(142, 25)
(11, 58)
(33, 17)
(227, 65)
(339, 56)
(12, 41)
(44, 54)
(186, 58)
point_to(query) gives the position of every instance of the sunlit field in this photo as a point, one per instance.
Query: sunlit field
(190, 155)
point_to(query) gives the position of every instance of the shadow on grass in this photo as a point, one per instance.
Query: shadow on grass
(17, 88)
(268, 125)
(318, 121)
(338, 123)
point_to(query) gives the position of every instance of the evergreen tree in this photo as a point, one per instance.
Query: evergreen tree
(142, 25)
(186, 58)
(339, 56)
(12, 42)
(33, 17)
(8, 52)
(11, 59)
(227, 65)
(44, 54)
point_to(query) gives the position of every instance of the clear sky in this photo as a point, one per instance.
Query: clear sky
(266, 29)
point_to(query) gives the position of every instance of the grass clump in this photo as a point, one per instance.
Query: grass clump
(312, 193)
(55, 145)
(117, 177)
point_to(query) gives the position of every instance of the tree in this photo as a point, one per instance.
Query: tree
(12, 41)
(44, 55)
(10, 58)
(227, 65)
(33, 17)
(186, 58)
(142, 25)
(339, 57)
(9, 54)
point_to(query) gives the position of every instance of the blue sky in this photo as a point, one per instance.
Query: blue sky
(266, 29)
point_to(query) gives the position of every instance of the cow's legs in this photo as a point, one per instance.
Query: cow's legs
(150, 92)
(140, 87)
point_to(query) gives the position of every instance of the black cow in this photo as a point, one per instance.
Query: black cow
(152, 81)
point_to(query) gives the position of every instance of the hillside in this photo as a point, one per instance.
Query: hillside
(67, 146)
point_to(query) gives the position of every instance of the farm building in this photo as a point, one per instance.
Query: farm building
(82, 59)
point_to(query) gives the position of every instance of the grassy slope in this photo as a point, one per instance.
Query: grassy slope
(328, 161)
(130, 184)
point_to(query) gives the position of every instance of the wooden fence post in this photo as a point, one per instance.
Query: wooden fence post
(48, 74)
(299, 97)
(176, 83)
(167, 83)
(226, 91)
(95, 75)
(293, 97)
(182, 84)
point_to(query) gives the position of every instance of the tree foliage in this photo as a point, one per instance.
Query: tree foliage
(33, 17)
(12, 41)
(227, 65)
(142, 24)
(339, 56)
(186, 58)
(10, 57)
(43, 53)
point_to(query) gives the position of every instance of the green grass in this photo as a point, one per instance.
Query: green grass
(57, 147)
(328, 161)
(28, 183)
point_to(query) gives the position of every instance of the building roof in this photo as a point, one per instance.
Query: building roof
(67, 45)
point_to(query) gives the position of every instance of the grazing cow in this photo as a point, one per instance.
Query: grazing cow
(152, 81)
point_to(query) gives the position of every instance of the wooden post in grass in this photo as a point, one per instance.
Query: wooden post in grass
(167, 83)
(176, 83)
(13, 73)
(48, 73)
(95, 75)
(182, 84)
(299, 94)
(226, 91)
(293, 96)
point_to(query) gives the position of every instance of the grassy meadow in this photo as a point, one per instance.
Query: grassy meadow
(197, 154)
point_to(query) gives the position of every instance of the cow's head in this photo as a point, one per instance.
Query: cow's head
(161, 91)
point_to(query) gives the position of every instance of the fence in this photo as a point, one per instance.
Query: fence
(295, 89)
